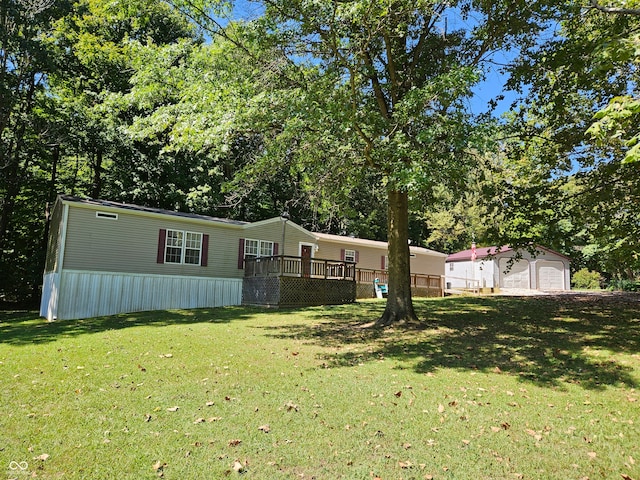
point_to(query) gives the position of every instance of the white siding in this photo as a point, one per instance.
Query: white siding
(92, 294)
(468, 274)
(49, 299)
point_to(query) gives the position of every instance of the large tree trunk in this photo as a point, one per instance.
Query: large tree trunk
(399, 305)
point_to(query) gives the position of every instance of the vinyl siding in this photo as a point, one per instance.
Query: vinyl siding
(272, 231)
(55, 228)
(370, 257)
(130, 244)
(428, 264)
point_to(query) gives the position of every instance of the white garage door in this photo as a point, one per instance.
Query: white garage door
(550, 275)
(515, 277)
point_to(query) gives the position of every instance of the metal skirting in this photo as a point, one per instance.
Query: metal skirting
(79, 294)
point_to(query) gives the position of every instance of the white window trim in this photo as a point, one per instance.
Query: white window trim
(183, 247)
(349, 253)
(260, 244)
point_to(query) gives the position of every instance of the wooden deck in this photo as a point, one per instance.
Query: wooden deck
(286, 281)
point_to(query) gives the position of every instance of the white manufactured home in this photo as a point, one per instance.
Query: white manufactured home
(503, 268)
(105, 258)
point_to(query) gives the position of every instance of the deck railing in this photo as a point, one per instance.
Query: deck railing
(286, 265)
(419, 280)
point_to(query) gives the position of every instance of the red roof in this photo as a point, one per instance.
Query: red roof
(484, 252)
(481, 252)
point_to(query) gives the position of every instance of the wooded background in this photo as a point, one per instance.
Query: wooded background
(320, 109)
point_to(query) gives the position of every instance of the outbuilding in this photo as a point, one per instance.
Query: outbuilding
(505, 268)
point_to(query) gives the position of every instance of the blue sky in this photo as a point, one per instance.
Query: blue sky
(488, 89)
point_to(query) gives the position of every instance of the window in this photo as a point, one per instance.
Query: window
(192, 248)
(108, 215)
(266, 249)
(257, 248)
(183, 247)
(451, 266)
(349, 255)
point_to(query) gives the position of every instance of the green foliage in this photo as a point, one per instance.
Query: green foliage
(586, 279)
(624, 285)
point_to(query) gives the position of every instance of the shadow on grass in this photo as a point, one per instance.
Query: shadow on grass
(545, 340)
(26, 328)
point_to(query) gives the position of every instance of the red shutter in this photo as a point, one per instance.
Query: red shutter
(162, 240)
(241, 254)
(204, 255)
(382, 262)
(357, 256)
(275, 249)
(342, 254)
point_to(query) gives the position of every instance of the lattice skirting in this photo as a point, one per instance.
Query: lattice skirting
(426, 292)
(296, 291)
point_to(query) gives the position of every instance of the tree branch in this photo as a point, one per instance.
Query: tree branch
(375, 83)
(615, 10)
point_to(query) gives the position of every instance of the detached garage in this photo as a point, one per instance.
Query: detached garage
(493, 267)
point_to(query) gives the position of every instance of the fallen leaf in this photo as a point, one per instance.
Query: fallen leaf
(495, 429)
(398, 394)
(405, 464)
(147, 418)
(534, 434)
(173, 409)
(626, 477)
(210, 404)
(406, 446)
(440, 408)
(158, 466)
(199, 420)
(42, 457)
(592, 455)
(291, 406)
(235, 442)
(166, 355)
(265, 428)
(466, 442)
(238, 467)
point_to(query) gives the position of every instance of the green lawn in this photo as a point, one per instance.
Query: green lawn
(484, 388)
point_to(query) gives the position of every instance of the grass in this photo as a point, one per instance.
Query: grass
(487, 388)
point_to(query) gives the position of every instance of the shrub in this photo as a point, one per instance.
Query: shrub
(584, 278)
(624, 285)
